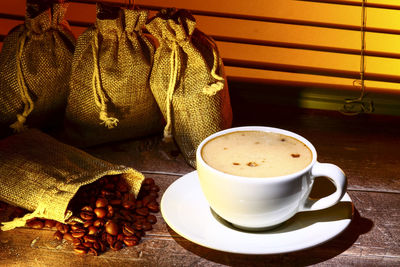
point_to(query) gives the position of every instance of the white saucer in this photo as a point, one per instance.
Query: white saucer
(187, 212)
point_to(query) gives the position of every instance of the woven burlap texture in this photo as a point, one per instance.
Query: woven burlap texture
(110, 96)
(42, 175)
(187, 81)
(35, 64)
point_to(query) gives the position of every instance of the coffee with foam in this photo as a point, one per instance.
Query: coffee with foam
(256, 154)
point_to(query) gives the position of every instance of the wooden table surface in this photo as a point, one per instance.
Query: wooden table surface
(366, 147)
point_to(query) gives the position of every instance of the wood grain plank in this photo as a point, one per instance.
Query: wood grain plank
(371, 238)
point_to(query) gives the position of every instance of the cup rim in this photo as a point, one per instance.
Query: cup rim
(200, 160)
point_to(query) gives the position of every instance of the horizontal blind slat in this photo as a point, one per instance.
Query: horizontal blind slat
(289, 11)
(300, 36)
(300, 12)
(302, 79)
(335, 64)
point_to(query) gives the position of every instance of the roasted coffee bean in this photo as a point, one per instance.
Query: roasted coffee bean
(111, 227)
(111, 215)
(147, 226)
(76, 226)
(97, 246)
(87, 224)
(139, 204)
(128, 230)
(155, 188)
(58, 235)
(131, 241)
(118, 217)
(49, 223)
(78, 233)
(90, 238)
(101, 203)
(126, 197)
(129, 205)
(137, 225)
(87, 208)
(143, 211)
(147, 199)
(120, 237)
(103, 246)
(145, 188)
(117, 245)
(110, 211)
(139, 234)
(100, 212)
(109, 186)
(111, 239)
(98, 223)
(106, 193)
(122, 187)
(153, 194)
(151, 219)
(153, 206)
(63, 228)
(115, 202)
(126, 214)
(93, 252)
(35, 223)
(118, 195)
(68, 236)
(87, 244)
(81, 249)
(87, 215)
(148, 181)
(76, 242)
(104, 236)
(93, 230)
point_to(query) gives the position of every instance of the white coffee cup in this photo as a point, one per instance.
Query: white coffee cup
(254, 203)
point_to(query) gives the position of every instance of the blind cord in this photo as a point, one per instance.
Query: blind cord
(355, 106)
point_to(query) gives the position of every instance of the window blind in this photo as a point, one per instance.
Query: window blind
(292, 42)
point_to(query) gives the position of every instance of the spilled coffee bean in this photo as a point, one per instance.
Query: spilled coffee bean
(111, 216)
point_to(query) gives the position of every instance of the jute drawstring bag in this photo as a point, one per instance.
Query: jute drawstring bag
(187, 81)
(110, 96)
(42, 175)
(35, 64)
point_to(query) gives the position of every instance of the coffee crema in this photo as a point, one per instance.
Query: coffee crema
(256, 154)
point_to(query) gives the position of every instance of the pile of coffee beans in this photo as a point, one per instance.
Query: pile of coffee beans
(111, 216)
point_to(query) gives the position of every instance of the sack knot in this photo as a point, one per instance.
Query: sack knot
(109, 122)
(213, 88)
(19, 126)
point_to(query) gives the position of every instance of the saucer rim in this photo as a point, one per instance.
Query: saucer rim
(192, 175)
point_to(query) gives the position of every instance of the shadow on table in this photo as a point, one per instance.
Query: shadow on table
(321, 253)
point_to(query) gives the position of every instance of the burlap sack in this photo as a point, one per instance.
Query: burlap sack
(187, 81)
(110, 96)
(42, 175)
(35, 64)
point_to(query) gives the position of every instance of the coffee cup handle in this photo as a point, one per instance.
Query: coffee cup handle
(337, 176)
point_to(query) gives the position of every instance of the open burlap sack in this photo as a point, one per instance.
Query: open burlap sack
(187, 81)
(35, 64)
(110, 96)
(42, 175)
